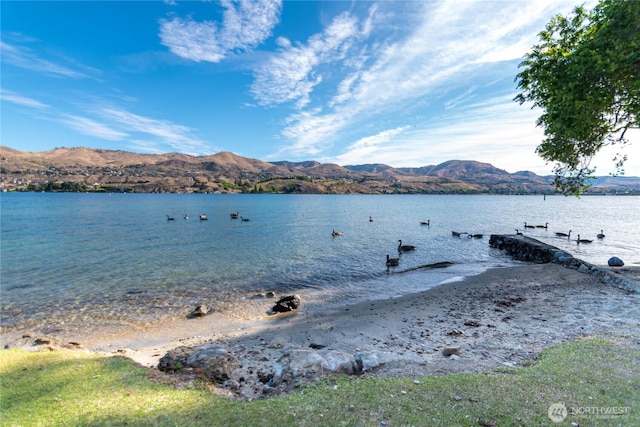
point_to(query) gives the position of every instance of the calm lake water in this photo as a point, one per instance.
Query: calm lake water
(82, 261)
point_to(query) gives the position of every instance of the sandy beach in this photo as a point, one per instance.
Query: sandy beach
(504, 316)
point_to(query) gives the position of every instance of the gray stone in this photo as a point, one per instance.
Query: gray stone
(207, 351)
(615, 262)
(339, 362)
(366, 361)
(175, 359)
(297, 363)
(216, 363)
(448, 351)
(201, 310)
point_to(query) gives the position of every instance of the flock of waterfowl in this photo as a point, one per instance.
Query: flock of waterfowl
(394, 262)
(579, 240)
(203, 217)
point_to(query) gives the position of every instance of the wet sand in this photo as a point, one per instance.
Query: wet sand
(504, 316)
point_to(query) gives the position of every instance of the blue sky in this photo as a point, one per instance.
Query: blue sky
(408, 83)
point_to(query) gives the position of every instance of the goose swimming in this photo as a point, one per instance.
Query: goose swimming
(579, 240)
(392, 262)
(170, 218)
(203, 217)
(600, 235)
(336, 233)
(405, 248)
(564, 234)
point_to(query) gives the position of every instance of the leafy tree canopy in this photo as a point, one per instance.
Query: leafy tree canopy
(585, 76)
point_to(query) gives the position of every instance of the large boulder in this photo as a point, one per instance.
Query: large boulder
(215, 362)
(341, 363)
(615, 262)
(298, 363)
(212, 359)
(175, 360)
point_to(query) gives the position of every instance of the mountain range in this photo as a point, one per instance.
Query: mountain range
(85, 169)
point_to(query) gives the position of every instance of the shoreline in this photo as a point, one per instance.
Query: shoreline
(504, 316)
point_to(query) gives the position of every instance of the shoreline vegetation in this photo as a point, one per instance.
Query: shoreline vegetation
(526, 337)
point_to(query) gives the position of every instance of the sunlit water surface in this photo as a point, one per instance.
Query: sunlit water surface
(82, 261)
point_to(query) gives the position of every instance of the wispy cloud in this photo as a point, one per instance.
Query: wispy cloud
(291, 73)
(245, 24)
(448, 46)
(369, 147)
(174, 135)
(24, 57)
(90, 127)
(490, 131)
(16, 98)
(115, 123)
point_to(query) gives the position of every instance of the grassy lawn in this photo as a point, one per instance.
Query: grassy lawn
(77, 389)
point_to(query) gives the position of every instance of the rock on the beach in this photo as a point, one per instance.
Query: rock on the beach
(286, 304)
(214, 360)
(448, 351)
(341, 363)
(297, 363)
(367, 361)
(615, 262)
(200, 311)
(175, 359)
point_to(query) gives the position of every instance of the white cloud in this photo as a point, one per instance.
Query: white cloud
(291, 74)
(90, 127)
(448, 47)
(245, 24)
(370, 147)
(15, 98)
(177, 136)
(23, 57)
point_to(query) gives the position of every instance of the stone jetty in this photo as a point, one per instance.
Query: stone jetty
(523, 248)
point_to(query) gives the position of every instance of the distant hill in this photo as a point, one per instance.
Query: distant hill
(84, 169)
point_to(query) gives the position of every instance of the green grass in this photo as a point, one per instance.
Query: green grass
(78, 389)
